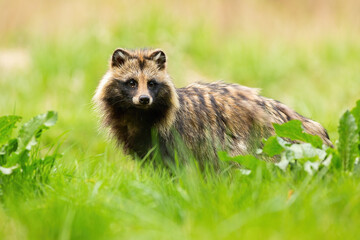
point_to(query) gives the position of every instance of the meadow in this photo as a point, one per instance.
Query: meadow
(76, 184)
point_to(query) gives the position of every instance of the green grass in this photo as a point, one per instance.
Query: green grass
(94, 191)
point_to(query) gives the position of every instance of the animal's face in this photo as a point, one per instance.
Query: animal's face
(136, 80)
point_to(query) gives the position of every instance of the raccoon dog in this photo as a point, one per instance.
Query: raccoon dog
(136, 98)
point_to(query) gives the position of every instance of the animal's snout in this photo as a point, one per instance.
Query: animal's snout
(144, 99)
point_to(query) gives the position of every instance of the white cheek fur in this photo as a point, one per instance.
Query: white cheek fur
(135, 100)
(101, 86)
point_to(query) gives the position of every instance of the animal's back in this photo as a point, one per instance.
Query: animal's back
(231, 117)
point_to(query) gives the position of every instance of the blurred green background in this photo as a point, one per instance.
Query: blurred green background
(303, 53)
(53, 53)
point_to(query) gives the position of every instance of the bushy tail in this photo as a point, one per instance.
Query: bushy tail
(281, 113)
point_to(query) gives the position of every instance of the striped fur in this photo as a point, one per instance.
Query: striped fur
(206, 116)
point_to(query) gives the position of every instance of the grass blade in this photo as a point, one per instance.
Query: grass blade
(7, 124)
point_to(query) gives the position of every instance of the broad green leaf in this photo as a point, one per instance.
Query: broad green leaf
(21, 158)
(311, 167)
(283, 163)
(272, 146)
(7, 124)
(248, 161)
(32, 130)
(9, 148)
(348, 141)
(356, 113)
(336, 163)
(8, 170)
(294, 131)
(223, 156)
(306, 151)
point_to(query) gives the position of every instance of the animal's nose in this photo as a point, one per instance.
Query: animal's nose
(144, 99)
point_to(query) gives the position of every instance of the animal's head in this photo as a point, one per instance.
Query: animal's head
(136, 81)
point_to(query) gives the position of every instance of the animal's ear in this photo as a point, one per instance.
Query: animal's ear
(160, 58)
(119, 57)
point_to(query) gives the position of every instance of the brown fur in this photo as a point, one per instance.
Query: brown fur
(206, 116)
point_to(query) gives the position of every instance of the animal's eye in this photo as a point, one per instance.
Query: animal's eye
(152, 83)
(132, 83)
